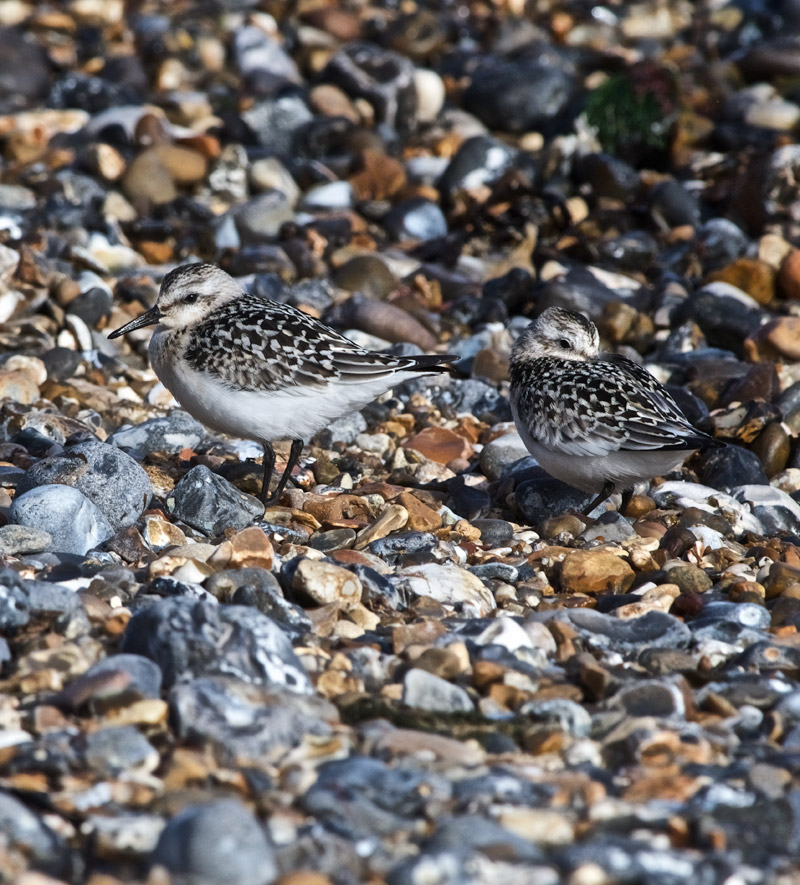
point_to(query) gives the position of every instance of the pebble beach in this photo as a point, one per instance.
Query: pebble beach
(423, 665)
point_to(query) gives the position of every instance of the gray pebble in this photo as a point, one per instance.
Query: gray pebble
(111, 479)
(20, 539)
(173, 433)
(74, 523)
(426, 691)
(220, 843)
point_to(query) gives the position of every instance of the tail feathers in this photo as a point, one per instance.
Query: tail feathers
(431, 362)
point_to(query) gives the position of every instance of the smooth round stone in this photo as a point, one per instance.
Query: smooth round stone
(652, 630)
(260, 219)
(415, 219)
(276, 122)
(113, 481)
(447, 584)
(482, 834)
(720, 242)
(366, 273)
(633, 250)
(650, 698)
(74, 523)
(689, 578)
(331, 195)
(426, 691)
(746, 614)
(501, 571)
(210, 504)
(342, 430)
(189, 638)
(220, 843)
(499, 454)
(14, 602)
(61, 363)
(494, 532)
(24, 71)
(773, 448)
(611, 527)
(725, 320)
(518, 96)
(246, 723)
(365, 797)
(571, 717)
(673, 205)
(479, 161)
(117, 749)
(431, 94)
(268, 173)
(173, 433)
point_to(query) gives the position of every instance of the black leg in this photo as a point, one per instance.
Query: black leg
(626, 499)
(269, 466)
(607, 490)
(294, 457)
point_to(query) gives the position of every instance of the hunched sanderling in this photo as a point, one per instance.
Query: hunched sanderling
(258, 369)
(597, 421)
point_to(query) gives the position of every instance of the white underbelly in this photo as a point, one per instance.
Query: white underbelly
(591, 472)
(294, 413)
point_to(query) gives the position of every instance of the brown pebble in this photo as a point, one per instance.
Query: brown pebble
(421, 518)
(773, 447)
(752, 276)
(440, 444)
(788, 279)
(595, 571)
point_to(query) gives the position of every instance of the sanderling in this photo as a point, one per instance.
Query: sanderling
(597, 421)
(258, 369)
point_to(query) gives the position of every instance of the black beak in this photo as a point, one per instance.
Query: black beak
(149, 318)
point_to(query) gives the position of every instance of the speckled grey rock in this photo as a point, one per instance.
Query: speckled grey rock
(173, 433)
(74, 523)
(113, 481)
(16, 540)
(220, 843)
(25, 831)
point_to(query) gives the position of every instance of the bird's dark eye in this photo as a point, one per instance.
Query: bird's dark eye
(190, 298)
(564, 343)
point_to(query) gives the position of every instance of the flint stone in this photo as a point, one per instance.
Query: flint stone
(210, 504)
(173, 434)
(189, 638)
(245, 723)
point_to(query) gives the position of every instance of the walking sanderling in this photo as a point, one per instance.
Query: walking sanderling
(597, 421)
(258, 369)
